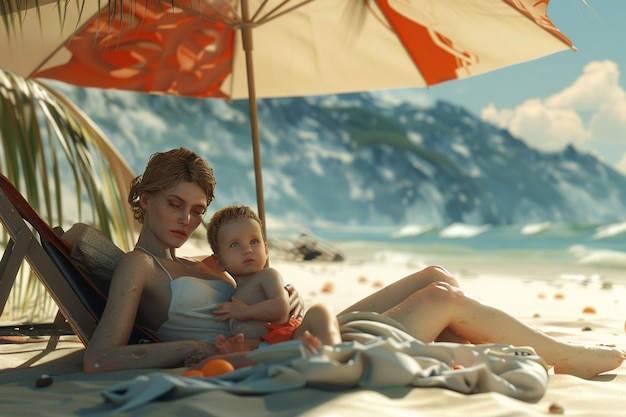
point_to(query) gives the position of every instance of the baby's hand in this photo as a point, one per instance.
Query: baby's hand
(234, 309)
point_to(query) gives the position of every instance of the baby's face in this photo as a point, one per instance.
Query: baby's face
(242, 250)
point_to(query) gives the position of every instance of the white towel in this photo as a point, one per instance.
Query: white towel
(380, 354)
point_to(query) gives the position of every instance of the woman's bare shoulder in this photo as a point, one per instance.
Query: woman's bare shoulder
(135, 265)
(135, 257)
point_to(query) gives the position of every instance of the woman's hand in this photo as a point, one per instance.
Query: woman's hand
(235, 344)
(296, 303)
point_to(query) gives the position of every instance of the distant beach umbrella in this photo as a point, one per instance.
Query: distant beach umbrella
(270, 48)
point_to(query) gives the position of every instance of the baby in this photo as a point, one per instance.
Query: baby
(259, 307)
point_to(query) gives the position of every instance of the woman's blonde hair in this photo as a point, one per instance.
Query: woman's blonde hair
(166, 169)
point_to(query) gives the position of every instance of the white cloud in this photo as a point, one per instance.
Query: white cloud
(608, 124)
(598, 85)
(542, 127)
(589, 113)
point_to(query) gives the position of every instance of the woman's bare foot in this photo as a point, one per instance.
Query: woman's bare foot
(588, 361)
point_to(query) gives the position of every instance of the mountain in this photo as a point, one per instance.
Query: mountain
(358, 160)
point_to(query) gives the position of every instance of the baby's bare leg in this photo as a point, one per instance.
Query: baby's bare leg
(438, 306)
(321, 322)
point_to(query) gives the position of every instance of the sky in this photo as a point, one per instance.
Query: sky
(571, 97)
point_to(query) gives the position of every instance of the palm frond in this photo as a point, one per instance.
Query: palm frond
(14, 11)
(64, 166)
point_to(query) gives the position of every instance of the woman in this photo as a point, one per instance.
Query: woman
(174, 297)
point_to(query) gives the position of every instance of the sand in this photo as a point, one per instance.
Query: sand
(571, 305)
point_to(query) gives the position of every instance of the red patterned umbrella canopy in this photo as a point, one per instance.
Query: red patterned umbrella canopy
(270, 48)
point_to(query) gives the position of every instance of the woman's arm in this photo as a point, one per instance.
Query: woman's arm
(108, 349)
(148, 355)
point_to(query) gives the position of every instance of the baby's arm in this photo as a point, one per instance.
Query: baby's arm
(275, 306)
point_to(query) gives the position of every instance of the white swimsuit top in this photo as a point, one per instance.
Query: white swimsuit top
(190, 311)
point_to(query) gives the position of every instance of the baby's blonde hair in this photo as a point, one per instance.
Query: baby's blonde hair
(228, 215)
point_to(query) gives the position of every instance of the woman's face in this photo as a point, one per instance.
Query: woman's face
(242, 250)
(174, 213)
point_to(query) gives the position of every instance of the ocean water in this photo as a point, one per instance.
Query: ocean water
(540, 251)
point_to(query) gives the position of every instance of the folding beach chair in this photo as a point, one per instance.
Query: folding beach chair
(80, 302)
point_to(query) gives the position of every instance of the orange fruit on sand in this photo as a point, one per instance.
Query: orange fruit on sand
(216, 367)
(193, 372)
(559, 296)
(328, 288)
(589, 310)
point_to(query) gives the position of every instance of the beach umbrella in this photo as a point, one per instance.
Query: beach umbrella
(270, 48)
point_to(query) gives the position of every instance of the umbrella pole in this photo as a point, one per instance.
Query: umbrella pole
(246, 37)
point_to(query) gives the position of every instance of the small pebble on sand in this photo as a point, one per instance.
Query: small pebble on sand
(328, 287)
(43, 381)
